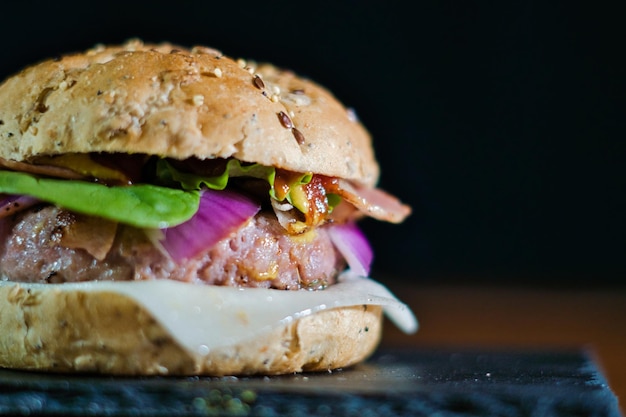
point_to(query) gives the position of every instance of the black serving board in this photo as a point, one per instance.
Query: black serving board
(392, 383)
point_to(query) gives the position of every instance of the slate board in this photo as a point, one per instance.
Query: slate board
(391, 383)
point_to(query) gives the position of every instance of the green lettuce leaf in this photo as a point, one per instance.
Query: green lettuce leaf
(141, 205)
(189, 181)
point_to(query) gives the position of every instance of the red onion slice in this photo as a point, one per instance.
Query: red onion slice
(220, 214)
(15, 203)
(353, 245)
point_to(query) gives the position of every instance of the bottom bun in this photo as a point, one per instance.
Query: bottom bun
(105, 332)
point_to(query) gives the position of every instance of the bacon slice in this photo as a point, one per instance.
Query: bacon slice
(48, 170)
(93, 234)
(373, 202)
(81, 167)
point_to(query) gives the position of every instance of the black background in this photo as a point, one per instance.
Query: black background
(501, 123)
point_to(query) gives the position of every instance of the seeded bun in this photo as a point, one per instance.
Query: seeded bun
(174, 102)
(171, 101)
(50, 328)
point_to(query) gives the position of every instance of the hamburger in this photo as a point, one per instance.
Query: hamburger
(174, 211)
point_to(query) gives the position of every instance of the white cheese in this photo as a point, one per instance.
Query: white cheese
(194, 314)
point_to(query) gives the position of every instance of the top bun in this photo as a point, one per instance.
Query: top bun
(175, 102)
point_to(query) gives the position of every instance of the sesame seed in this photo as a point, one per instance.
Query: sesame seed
(352, 115)
(97, 48)
(275, 98)
(258, 82)
(33, 130)
(298, 135)
(198, 100)
(285, 120)
(296, 99)
(203, 50)
(217, 72)
(241, 63)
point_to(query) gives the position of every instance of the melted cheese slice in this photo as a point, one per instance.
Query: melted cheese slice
(195, 314)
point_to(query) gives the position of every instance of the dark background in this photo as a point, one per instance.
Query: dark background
(501, 123)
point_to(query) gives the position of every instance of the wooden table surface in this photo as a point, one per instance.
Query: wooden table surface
(506, 317)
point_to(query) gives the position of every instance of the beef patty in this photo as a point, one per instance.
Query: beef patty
(259, 254)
